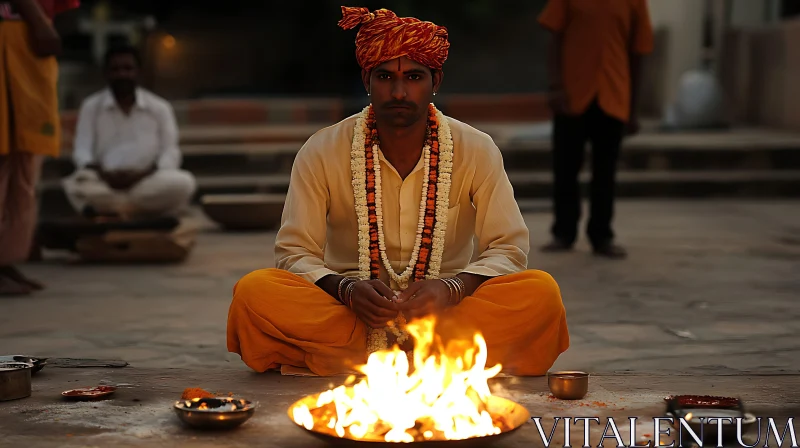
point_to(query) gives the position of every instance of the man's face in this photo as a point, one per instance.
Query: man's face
(122, 72)
(401, 90)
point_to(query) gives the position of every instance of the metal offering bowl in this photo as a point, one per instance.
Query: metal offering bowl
(214, 413)
(15, 380)
(705, 407)
(89, 393)
(568, 385)
(708, 430)
(38, 363)
(515, 416)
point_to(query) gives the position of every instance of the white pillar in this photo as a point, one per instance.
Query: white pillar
(683, 20)
(747, 13)
(100, 15)
(719, 25)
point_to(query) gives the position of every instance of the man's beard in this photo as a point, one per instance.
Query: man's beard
(399, 117)
(123, 86)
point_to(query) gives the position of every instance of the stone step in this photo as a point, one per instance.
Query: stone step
(523, 156)
(274, 158)
(291, 111)
(533, 185)
(503, 134)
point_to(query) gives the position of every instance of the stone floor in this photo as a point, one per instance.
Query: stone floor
(709, 286)
(139, 414)
(705, 304)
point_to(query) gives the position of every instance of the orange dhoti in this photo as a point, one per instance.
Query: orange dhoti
(277, 318)
(29, 130)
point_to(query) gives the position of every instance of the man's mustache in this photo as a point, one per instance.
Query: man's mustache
(399, 104)
(122, 82)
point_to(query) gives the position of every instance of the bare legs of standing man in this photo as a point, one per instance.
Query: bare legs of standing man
(570, 135)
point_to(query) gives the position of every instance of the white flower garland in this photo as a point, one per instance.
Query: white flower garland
(358, 164)
(401, 280)
(442, 195)
(358, 167)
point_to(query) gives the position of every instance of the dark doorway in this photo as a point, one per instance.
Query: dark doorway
(790, 8)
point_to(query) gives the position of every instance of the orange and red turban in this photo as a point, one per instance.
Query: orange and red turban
(384, 36)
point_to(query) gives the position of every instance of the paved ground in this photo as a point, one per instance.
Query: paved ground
(706, 304)
(139, 414)
(710, 286)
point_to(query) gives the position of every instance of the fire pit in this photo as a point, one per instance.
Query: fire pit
(441, 397)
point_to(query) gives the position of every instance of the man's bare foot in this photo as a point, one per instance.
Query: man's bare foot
(18, 277)
(9, 287)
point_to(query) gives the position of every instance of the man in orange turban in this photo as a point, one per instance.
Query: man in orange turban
(379, 228)
(384, 36)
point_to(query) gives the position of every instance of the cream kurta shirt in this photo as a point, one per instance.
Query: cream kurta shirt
(319, 231)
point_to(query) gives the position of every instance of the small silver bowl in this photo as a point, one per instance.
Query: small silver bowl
(214, 413)
(15, 380)
(38, 363)
(568, 385)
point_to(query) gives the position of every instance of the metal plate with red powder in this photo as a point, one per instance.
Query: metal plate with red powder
(704, 401)
(89, 393)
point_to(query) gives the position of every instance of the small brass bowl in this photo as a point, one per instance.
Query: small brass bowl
(214, 413)
(568, 385)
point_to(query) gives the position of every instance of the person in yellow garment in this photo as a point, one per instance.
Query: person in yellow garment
(29, 125)
(378, 228)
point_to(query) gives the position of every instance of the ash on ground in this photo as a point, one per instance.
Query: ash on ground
(138, 420)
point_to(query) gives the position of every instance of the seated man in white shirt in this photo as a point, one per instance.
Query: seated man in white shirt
(126, 149)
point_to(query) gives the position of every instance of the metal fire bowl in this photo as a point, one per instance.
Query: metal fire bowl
(210, 419)
(15, 380)
(38, 363)
(515, 413)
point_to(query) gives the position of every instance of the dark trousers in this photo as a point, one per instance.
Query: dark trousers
(570, 134)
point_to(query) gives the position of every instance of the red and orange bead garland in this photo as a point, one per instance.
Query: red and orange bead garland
(426, 257)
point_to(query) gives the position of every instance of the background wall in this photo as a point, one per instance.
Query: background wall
(248, 48)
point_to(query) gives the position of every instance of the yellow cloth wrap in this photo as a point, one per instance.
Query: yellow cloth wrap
(29, 119)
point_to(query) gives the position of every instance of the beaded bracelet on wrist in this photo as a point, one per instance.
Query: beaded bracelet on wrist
(348, 294)
(345, 285)
(450, 287)
(457, 289)
(339, 290)
(462, 289)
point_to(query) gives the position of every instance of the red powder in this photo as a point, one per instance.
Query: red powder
(195, 392)
(706, 401)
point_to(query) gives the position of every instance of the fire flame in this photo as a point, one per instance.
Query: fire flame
(444, 397)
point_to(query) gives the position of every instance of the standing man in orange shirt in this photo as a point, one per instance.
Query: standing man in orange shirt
(593, 62)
